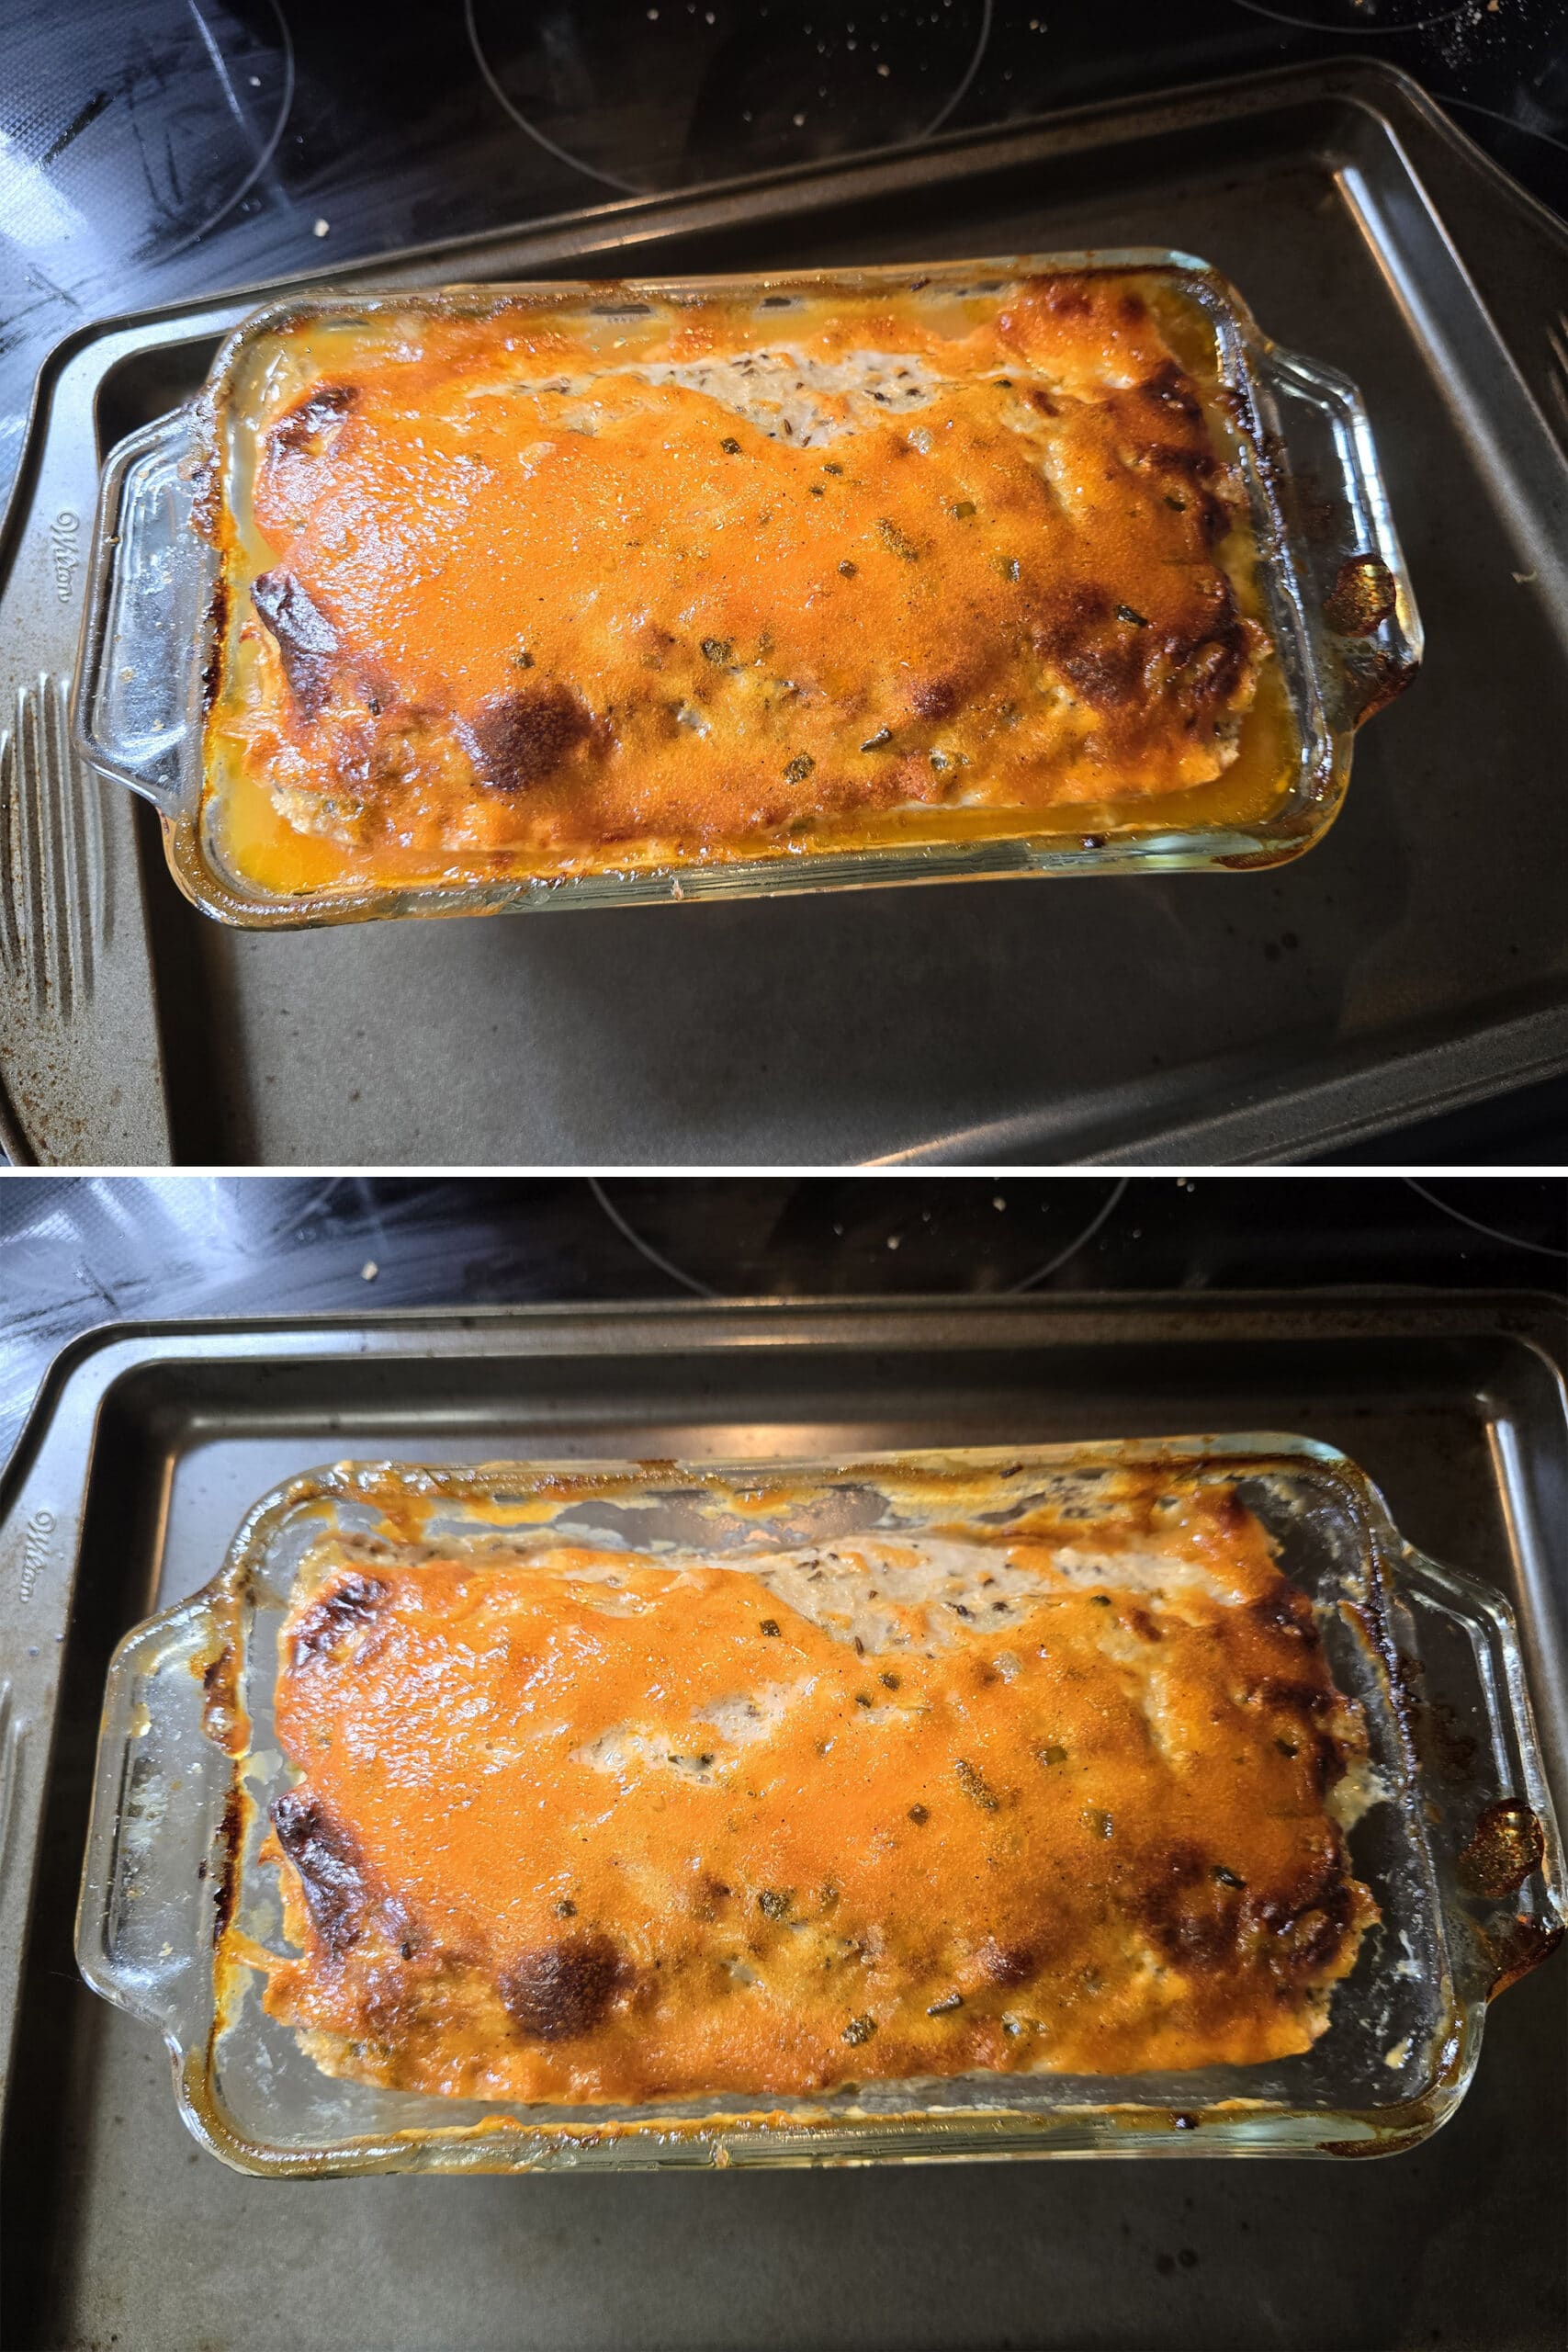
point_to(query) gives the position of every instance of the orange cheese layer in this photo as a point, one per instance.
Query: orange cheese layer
(513, 596)
(585, 1826)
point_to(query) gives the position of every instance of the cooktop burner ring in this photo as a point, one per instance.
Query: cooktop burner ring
(1447, 101)
(285, 106)
(1341, 16)
(1479, 1224)
(853, 33)
(902, 1228)
(158, 121)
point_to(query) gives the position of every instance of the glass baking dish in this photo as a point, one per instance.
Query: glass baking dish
(1457, 1844)
(1335, 595)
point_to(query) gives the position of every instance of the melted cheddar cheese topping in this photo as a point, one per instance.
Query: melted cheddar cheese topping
(578, 1825)
(528, 593)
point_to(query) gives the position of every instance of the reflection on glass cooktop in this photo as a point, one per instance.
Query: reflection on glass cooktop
(155, 151)
(135, 138)
(81, 1251)
(655, 97)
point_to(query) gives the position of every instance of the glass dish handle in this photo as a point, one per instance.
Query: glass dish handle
(1359, 592)
(1478, 1759)
(144, 1925)
(132, 706)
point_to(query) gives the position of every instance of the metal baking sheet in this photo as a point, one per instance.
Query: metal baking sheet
(148, 1444)
(1414, 960)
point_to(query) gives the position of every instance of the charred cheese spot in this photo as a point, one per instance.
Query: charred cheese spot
(525, 736)
(1007, 1965)
(936, 697)
(1284, 1609)
(1170, 389)
(349, 1607)
(307, 641)
(306, 426)
(330, 1869)
(564, 1989)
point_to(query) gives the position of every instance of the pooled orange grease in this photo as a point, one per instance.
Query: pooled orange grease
(1032, 1819)
(479, 546)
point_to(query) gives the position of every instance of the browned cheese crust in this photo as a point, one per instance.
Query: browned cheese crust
(582, 1827)
(514, 596)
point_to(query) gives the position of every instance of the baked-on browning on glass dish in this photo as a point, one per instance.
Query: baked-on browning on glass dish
(966, 1803)
(754, 583)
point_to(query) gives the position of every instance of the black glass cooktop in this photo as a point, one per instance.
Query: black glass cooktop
(78, 1251)
(156, 149)
(167, 147)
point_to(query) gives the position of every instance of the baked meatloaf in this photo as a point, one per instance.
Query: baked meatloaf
(518, 585)
(577, 1824)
